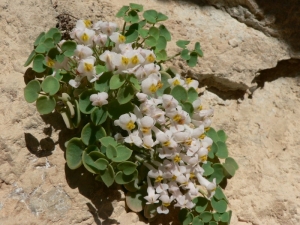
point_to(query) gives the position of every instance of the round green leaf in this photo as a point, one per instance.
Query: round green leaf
(99, 116)
(38, 39)
(222, 135)
(90, 134)
(125, 94)
(51, 32)
(222, 150)
(57, 38)
(48, 43)
(66, 118)
(208, 170)
(206, 217)
(219, 195)
(45, 104)
(150, 16)
(192, 94)
(161, 17)
(30, 58)
(193, 59)
(122, 178)
(197, 221)
(108, 175)
(161, 43)
(68, 48)
(213, 134)
(123, 154)
(179, 93)
(218, 173)
(188, 107)
(85, 105)
(134, 82)
(163, 31)
(184, 54)
(102, 84)
(105, 141)
(198, 49)
(219, 206)
(201, 204)
(122, 11)
(74, 152)
(217, 216)
(150, 41)
(154, 32)
(136, 7)
(161, 55)
(131, 36)
(135, 201)
(41, 48)
(182, 43)
(31, 91)
(38, 63)
(127, 167)
(212, 223)
(89, 163)
(116, 81)
(230, 166)
(111, 151)
(115, 109)
(50, 85)
(225, 217)
(101, 163)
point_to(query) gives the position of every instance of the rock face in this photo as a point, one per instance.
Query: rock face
(249, 74)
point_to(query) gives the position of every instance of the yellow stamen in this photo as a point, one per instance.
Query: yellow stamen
(176, 82)
(166, 204)
(145, 129)
(177, 118)
(203, 158)
(159, 85)
(130, 125)
(207, 129)
(125, 60)
(159, 179)
(188, 80)
(177, 158)
(174, 177)
(88, 67)
(209, 148)
(85, 37)
(121, 38)
(88, 23)
(167, 143)
(50, 62)
(202, 136)
(200, 107)
(188, 141)
(135, 60)
(150, 58)
(153, 88)
(192, 175)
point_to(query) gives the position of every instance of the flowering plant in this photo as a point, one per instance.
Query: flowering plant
(140, 125)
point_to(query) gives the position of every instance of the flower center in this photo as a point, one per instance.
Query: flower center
(87, 23)
(176, 82)
(202, 136)
(50, 62)
(159, 179)
(85, 37)
(150, 58)
(130, 125)
(135, 60)
(88, 67)
(188, 80)
(166, 204)
(121, 38)
(153, 88)
(125, 61)
(167, 143)
(177, 118)
(177, 158)
(203, 158)
(192, 175)
(145, 130)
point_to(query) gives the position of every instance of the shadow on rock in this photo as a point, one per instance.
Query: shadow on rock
(41, 148)
(100, 196)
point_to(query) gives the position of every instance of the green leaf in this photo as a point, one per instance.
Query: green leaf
(102, 84)
(222, 150)
(131, 36)
(184, 54)
(185, 217)
(60, 58)
(108, 175)
(68, 48)
(193, 59)
(136, 7)
(197, 221)
(134, 82)
(74, 152)
(48, 43)
(38, 63)
(182, 43)
(219, 206)
(30, 58)
(163, 31)
(150, 41)
(218, 173)
(66, 118)
(179, 93)
(111, 151)
(85, 105)
(154, 32)
(90, 134)
(132, 186)
(201, 204)
(37, 41)
(100, 69)
(150, 16)
(57, 38)
(105, 141)
(135, 201)
(212, 223)
(222, 136)
(50, 85)
(122, 11)
(198, 49)
(41, 48)
(115, 110)
(125, 94)
(165, 84)
(206, 217)
(51, 32)
(161, 43)
(77, 118)
(230, 166)
(188, 107)
(127, 167)
(192, 94)
(89, 163)
(31, 91)
(161, 55)
(101, 163)
(208, 170)
(116, 81)
(99, 116)
(143, 32)
(53, 53)
(219, 195)
(161, 17)
(225, 217)
(150, 211)
(122, 178)
(217, 216)
(213, 134)
(123, 154)
(45, 104)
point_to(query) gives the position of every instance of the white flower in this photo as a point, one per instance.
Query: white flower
(189, 82)
(176, 81)
(100, 40)
(85, 36)
(86, 67)
(210, 186)
(117, 38)
(109, 57)
(151, 197)
(145, 125)
(99, 99)
(83, 52)
(166, 202)
(126, 121)
(134, 138)
(105, 27)
(151, 84)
